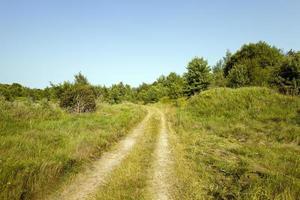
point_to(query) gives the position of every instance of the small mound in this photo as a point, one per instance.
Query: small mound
(243, 102)
(256, 109)
(244, 143)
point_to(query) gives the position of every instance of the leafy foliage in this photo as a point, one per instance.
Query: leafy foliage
(254, 64)
(197, 76)
(78, 97)
(288, 75)
(150, 93)
(80, 79)
(260, 59)
(175, 85)
(238, 76)
(16, 90)
(219, 79)
(120, 92)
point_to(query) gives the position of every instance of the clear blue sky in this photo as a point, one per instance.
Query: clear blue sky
(132, 41)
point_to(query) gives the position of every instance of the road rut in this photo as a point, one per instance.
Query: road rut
(160, 185)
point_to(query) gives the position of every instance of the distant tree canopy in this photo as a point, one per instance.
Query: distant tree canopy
(238, 76)
(16, 90)
(120, 92)
(170, 86)
(287, 76)
(254, 64)
(259, 59)
(81, 79)
(219, 79)
(174, 84)
(197, 77)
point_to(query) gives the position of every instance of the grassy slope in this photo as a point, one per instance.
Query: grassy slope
(238, 144)
(40, 144)
(129, 180)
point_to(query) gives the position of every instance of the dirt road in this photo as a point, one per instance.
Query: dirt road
(86, 184)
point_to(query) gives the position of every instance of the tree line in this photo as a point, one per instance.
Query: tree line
(254, 64)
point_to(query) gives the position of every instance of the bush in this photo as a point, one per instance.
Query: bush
(260, 59)
(288, 75)
(238, 76)
(78, 98)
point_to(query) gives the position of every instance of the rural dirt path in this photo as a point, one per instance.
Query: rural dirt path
(160, 184)
(85, 184)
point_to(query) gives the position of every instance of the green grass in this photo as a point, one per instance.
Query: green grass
(41, 145)
(238, 144)
(129, 180)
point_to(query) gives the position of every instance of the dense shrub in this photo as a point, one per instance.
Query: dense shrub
(261, 60)
(238, 76)
(79, 98)
(218, 77)
(288, 75)
(119, 93)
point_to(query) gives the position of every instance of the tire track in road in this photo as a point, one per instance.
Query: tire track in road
(160, 185)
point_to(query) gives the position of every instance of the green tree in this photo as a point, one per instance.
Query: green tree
(59, 89)
(116, 93)
(197, 76)
(80, 79)
(238, 76)
(6, 93)
(287, 77)
(174, 84)
(101, 93)
(260, 58)
(141, 91)
(16, 90)
(151, 94)
(219, 79)
(130, 93)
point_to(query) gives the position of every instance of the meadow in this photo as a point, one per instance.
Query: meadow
(225, 144)
(156, 108)
(237, 144)
(42, 145)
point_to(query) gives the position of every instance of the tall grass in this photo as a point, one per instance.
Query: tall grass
(40, 144)
(242, 143)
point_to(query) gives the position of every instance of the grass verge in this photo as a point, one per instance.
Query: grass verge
(40, 144)
(238, 144)
(186, 183)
